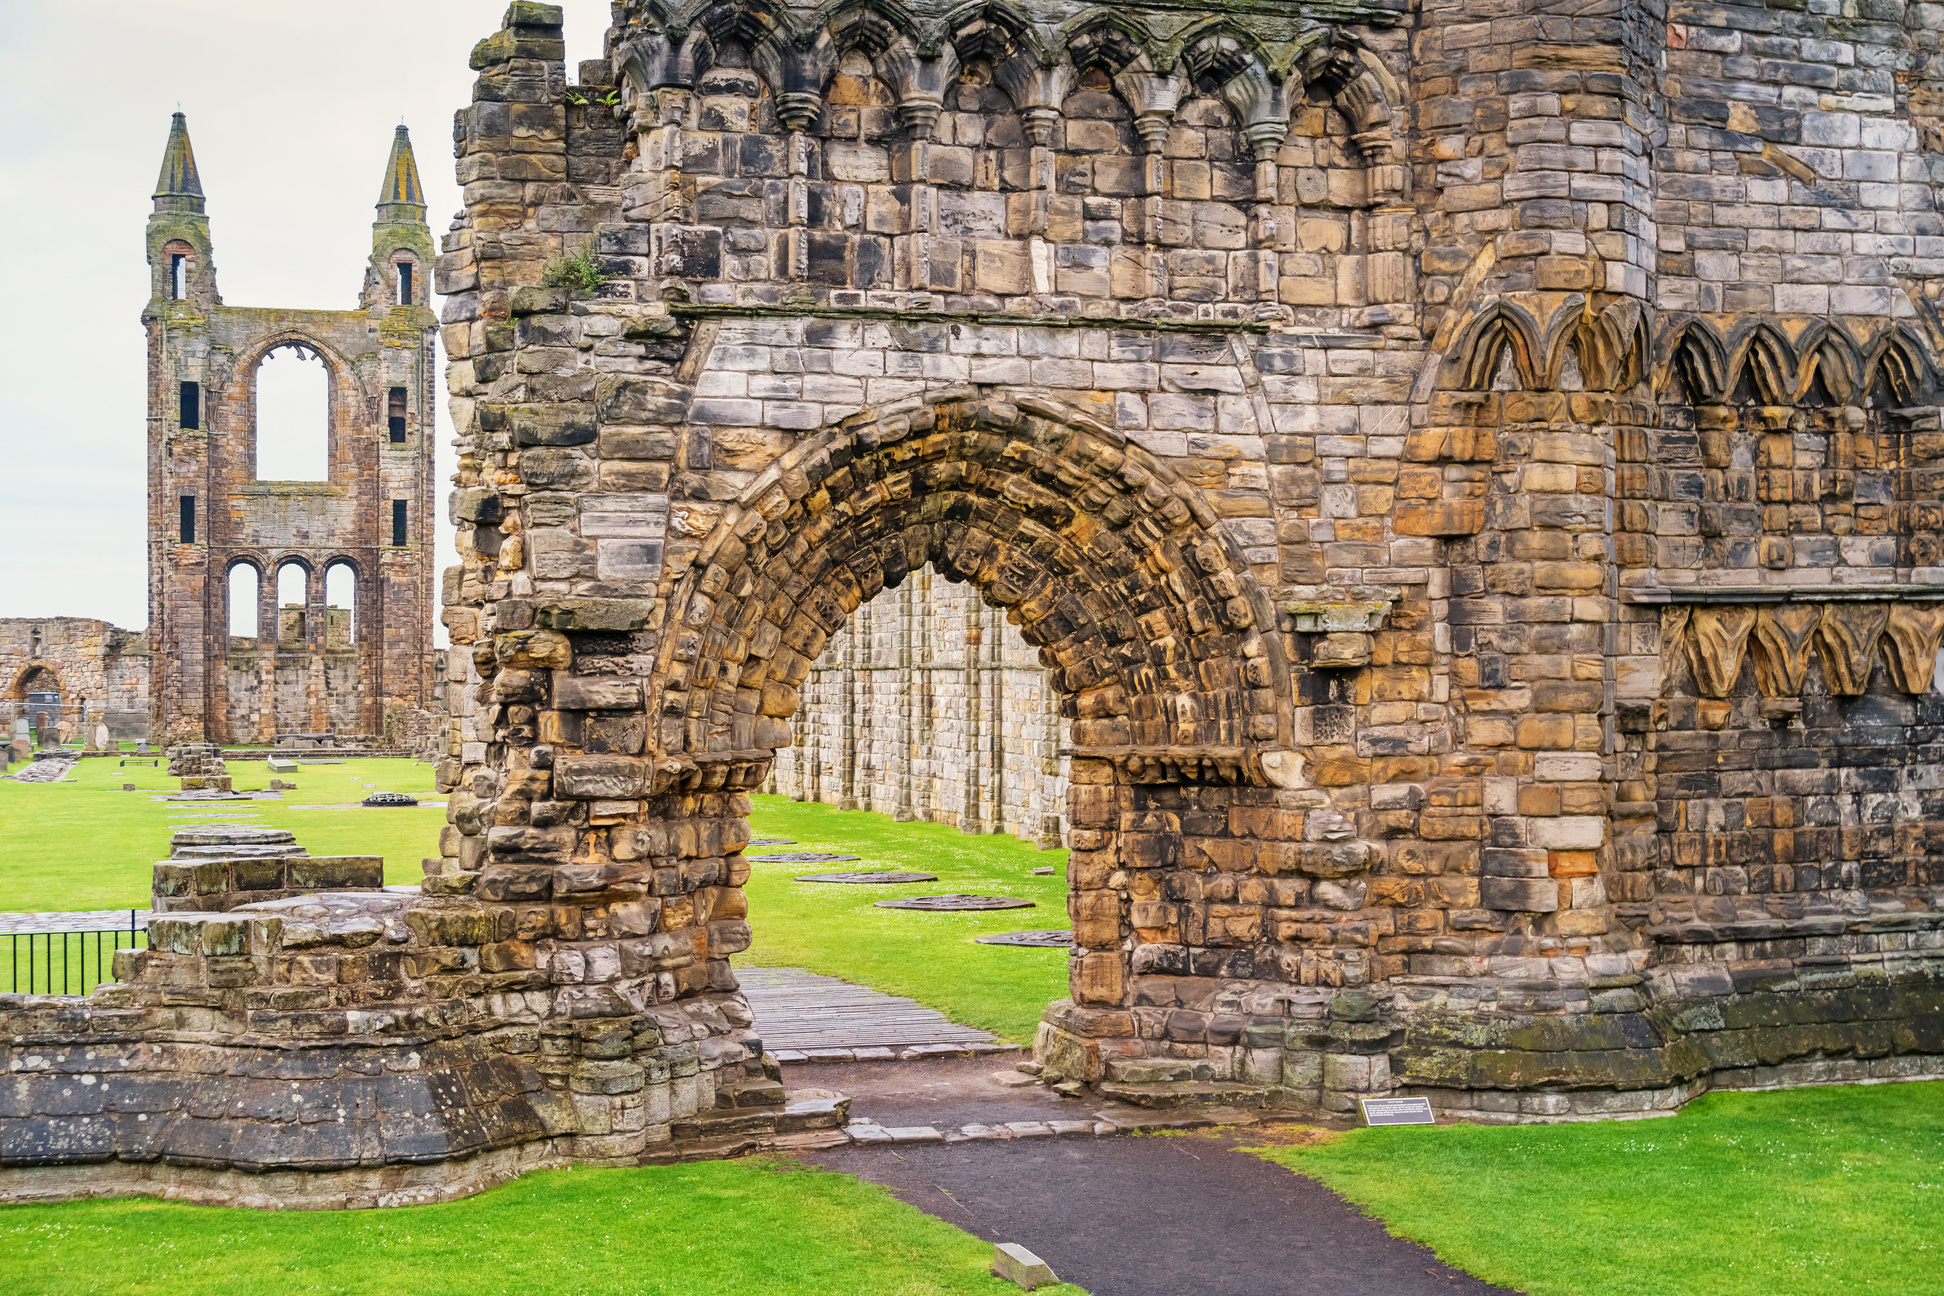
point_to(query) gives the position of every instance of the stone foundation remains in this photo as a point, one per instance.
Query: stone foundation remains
(1471, 474)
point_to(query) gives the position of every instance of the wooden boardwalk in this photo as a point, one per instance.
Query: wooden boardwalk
(806, 1017)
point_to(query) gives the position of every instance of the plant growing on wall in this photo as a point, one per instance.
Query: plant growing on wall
(578, 270)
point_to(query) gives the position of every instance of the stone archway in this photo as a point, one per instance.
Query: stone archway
(1146, 618)
(1158, 641)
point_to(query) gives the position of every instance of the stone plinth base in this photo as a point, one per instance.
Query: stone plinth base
(1506, 1052)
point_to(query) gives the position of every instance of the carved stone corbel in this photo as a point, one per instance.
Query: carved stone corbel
(1910, 640)
(1717, 639)
(1784, 635)
(1848, 633)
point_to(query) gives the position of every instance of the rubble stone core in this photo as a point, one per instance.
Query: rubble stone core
(1471, 475)
(209, 513)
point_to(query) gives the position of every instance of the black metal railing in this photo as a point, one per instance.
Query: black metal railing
(69, 962)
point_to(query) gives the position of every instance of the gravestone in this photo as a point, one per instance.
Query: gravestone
(885, 877)
(801, 857)
(1029, 939)
(955, 903)
(102, 742)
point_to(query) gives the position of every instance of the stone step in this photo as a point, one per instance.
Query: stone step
(1188, 1093)
(747, 1121)
(750, 1093)
(813, 1109)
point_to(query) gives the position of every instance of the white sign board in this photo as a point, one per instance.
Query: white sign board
(1397, 1111)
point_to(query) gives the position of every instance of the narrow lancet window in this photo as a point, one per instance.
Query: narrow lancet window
(395, 415)
(188, 519)
(190, 407)
(398, 522)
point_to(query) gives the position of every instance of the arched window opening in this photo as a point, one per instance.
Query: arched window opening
(395, 415)
(243, 590)
(293, 420)
(340, 606)
(402, 282)
(293, 587)
(178, 276)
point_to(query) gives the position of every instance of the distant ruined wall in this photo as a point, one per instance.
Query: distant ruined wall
(930, 706)
(86, 662)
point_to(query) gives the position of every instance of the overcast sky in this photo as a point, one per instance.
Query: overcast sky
(291, 108)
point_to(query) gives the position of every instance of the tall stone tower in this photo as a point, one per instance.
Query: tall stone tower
(210, 513)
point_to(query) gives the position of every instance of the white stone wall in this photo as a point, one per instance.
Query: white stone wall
(930, 706)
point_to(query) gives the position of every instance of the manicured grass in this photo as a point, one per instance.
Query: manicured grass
(89, 845)
(930, 957)
(1809, 1192)
(722, 1228)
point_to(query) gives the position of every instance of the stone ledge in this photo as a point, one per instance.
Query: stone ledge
(1901, 592)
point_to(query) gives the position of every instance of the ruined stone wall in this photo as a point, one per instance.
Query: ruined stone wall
(929, 706)
(90, 663)
(1469, 474)
(209, 513)
(1494, 489)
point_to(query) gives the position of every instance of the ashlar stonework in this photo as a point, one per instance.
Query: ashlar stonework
(1470, 474)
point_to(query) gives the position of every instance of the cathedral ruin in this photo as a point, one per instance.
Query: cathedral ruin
(1470, 473)
(223, 539)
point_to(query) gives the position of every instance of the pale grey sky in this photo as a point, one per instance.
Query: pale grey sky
(291, 108)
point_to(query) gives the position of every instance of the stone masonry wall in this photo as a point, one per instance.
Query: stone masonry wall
(1470, 475)
(1496, 506)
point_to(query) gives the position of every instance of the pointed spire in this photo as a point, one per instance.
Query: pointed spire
(401, 197)
(179, 188)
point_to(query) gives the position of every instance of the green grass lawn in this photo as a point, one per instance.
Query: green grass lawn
(720, 1228)
(930, 957)
(89, 845)
(1809, 1192)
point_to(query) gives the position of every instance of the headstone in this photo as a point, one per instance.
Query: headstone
(887, 877)
(801, 857)
(23, 748)
(954, 903)
(102, 741)
(282, 765)
(128, 787)
(142, 749)
(1029, 939)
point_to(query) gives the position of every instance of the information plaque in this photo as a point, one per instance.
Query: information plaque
(1397, 1111)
